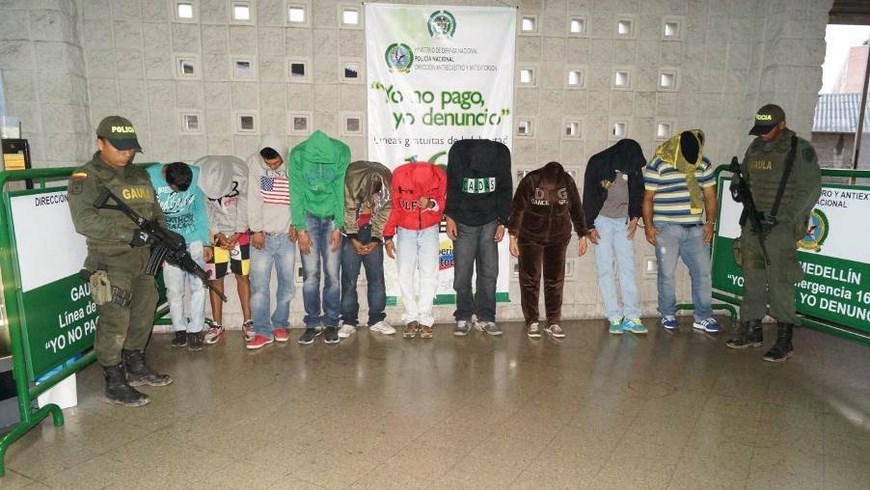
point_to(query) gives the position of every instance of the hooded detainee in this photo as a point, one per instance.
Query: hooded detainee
(317, 170)
(367, 207)
(679, 212)
(612, 202)
(224, 181)
(546, 207)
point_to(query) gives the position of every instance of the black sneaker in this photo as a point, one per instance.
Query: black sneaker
(308, 336)
(330, 335)
(180, 339)
(195, 341)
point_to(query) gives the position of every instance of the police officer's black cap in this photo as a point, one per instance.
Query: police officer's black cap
(120, 133)
(766, 118)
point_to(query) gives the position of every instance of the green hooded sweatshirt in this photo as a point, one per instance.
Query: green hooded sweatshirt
(317, 169)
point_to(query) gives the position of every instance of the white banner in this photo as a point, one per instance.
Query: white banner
(439, 74)
(837, 205)
(49, 249)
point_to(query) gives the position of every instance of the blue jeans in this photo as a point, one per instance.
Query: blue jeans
(376, 291)
(615, 244)
(279, 252)
(686, 242)
(321, 257)
(475, 248)
(176, 280)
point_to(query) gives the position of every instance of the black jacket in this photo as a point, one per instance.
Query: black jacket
(625, 156)
(479, 185)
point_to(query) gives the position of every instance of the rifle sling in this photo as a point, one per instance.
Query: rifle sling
(789, 165)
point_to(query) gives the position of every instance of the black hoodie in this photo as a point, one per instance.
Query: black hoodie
(479, 186)
(625, 156)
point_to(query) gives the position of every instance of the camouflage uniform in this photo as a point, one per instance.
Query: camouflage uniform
(773, 284)
(126, 321)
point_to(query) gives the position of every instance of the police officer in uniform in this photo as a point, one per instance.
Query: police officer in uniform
(785, 194)
(126, 297)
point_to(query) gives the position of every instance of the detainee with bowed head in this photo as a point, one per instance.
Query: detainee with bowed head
(273, 242)
(224, 179)
(418, 192)
(679, 212)
(367, 207)
(612, 203)
(479, 192)
(317, 170)
(546, 208)
(177, 188)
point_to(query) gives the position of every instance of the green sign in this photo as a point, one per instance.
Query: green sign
(57, 316)
(836, 283)
(60, 321)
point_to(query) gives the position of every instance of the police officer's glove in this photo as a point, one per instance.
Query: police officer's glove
(142, 239)
(767, 224)
(735, 192)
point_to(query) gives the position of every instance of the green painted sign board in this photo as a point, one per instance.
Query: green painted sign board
(833, 255)
(60, 320)
(57, 318)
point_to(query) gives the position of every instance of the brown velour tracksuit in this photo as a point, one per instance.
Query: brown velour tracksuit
(546, 207)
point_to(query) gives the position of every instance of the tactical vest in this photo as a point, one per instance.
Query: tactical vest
(766, 163)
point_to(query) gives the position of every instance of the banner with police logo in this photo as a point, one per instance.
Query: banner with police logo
(836, 282)
(437, 75)
(58, 318)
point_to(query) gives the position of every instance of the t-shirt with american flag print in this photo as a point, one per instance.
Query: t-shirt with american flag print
(275, 188)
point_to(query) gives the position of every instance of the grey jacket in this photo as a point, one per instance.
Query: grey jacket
(269, 217)
(224, 181)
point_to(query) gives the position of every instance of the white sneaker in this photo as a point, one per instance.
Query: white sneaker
(383, 327)
(556, 331)
(346, 331)
(248, 330)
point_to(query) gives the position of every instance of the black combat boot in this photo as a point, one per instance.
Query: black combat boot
(782, 349)
(756, 335)
(746, 334)
(138, 372)
(118, 391)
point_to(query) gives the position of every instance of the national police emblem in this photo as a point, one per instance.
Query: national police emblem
(442, 24)
(817, 232)
(399, 57)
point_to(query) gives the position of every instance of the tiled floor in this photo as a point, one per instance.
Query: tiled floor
(669, 410)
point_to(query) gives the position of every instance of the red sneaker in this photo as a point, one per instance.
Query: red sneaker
(258, 342)
(281, 334)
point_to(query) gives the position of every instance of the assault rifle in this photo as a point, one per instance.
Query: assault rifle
(741, 193)
(165, 244)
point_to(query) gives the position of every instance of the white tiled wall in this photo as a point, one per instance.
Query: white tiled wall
(68, 63)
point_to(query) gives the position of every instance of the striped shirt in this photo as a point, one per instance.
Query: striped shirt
(671, 201)
(275, 189)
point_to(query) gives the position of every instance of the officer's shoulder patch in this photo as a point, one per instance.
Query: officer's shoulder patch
(77, 182)
(809, 153)
(76, 186)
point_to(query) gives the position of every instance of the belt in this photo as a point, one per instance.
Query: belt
(692, 225)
